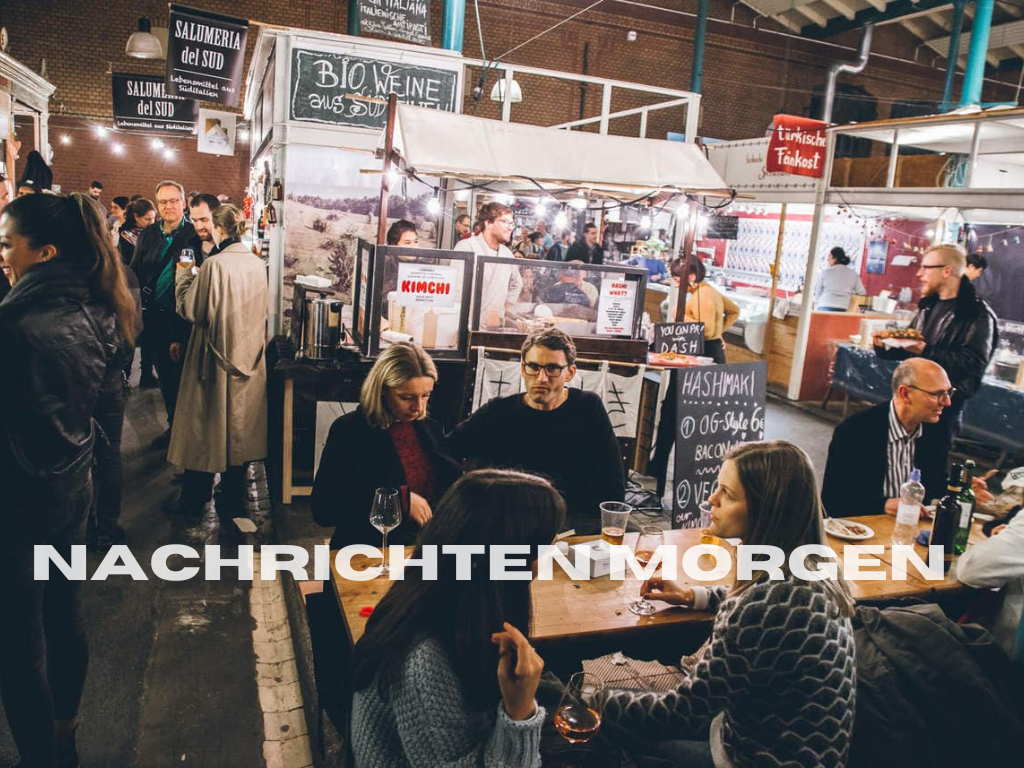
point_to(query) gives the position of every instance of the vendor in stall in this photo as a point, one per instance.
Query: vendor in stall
(502, 284)
(837, 284)
(706, 305)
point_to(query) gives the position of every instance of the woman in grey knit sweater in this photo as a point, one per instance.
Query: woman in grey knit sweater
(443, 677)
(774, 685)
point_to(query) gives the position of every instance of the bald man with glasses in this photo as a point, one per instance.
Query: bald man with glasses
(959, 328)
(872, 452)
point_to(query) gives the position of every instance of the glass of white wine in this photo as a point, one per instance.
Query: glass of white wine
(385, 516)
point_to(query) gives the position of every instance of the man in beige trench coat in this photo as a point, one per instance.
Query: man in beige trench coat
(221, 419)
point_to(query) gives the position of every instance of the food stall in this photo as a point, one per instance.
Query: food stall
(25, 97)
(976, 199)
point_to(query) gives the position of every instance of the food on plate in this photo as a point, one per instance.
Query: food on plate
(902, 333)
(845, 528)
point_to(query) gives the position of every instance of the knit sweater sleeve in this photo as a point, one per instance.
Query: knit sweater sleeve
(739, 659)
(437, 729)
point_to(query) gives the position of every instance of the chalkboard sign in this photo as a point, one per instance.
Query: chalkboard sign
(407, 20)
(141, 103)
(679, 338)
(205, 55)
(347, 90)
(719, 407)
(723, 228)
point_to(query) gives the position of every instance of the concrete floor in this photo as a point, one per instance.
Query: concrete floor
(172, 671)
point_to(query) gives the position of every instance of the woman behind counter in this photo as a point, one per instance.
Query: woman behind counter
(774, 685)
(445, 674)
(838, 282)
(706, 305)
(387, 442)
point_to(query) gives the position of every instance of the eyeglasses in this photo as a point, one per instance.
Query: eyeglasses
(933, 266)
(551, 369)
(505, 222)
(938, 394)
(176, 201)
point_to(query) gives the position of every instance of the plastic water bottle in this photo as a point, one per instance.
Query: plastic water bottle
(909, 512)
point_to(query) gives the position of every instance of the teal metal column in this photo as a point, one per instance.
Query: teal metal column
(697, 70)
(953, 54)
(453, 21)
(353, 17)
(976, 56)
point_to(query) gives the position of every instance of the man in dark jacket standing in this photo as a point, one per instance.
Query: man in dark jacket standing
(158, 250)
(587, 250)
(959, 328)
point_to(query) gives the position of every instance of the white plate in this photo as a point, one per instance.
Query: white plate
(839, 529)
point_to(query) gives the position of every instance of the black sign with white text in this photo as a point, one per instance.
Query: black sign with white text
(679, 338)
(141, 103)
(339, 89)
(407, 20)
(205, 55)
(723, 228)
(719, 407)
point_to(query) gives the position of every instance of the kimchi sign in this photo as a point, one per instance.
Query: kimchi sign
(797, 147)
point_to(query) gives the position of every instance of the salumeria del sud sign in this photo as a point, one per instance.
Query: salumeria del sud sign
(205, 55)
(797, 147)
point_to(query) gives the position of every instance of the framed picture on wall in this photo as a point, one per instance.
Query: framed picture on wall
(877, 252)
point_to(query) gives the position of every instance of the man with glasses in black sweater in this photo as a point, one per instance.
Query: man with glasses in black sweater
(561, 433)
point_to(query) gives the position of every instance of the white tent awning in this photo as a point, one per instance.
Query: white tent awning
(436, 143)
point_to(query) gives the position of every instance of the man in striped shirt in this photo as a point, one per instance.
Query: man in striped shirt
(873, 452)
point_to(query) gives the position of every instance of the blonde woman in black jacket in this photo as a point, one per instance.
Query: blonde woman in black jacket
(62, 325)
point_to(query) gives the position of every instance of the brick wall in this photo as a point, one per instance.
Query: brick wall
(749, 74)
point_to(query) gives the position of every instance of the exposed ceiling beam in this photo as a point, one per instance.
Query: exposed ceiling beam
(940, 21)
(776, 7)
(915, 15)
(1000, 36)
(878, 5)
(814, 16)
(1012, 9)
(841, 7)
(1018, 49)
(914, 28)
(894, 10)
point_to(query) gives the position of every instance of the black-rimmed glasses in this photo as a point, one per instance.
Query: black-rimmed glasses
(551, 369)
(938, 394)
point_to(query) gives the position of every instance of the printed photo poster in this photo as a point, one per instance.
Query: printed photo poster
(877, 252)
(615, 306)
(216, 132)
(329, 205)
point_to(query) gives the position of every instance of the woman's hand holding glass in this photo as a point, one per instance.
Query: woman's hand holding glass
(656, 588)
(519, 670)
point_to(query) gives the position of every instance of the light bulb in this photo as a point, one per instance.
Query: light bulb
(540, 210)
(433, 207)
(645, 222)
(462, 195)
(393, 177)
(101, 132)
(168, 154)
(65, 139)
(561, 220)
(157, 144)
(929, 233)
(243, 135)
(117, 148)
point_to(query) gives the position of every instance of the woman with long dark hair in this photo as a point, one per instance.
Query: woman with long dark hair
(62, 325)
(445, 674)
(774, 685)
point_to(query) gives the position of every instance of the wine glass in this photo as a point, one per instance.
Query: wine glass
(385, 516)
(578, 717)
(647, 543)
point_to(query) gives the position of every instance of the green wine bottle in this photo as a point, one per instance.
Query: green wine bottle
(967, 502)
(947, 517)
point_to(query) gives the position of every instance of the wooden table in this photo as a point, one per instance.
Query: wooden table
(565, 610)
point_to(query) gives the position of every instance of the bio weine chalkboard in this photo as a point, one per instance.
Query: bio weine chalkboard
(679, 338)
(719, 406)
(339, 89)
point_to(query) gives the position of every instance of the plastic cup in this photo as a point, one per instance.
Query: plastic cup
(614, 515)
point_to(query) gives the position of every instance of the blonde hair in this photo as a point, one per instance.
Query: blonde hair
(396, 365)
(784, 507)
(953, 256)
(229, 218)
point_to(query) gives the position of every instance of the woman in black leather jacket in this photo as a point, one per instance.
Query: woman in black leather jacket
(61, 328)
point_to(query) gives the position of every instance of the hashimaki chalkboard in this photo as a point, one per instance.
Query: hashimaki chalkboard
(718, 407)
(339, 89)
